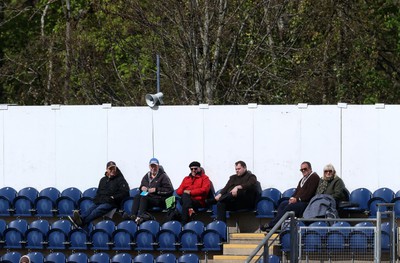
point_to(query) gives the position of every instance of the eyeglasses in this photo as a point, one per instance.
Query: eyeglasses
(328, 171)
(193, 168)
(303, 169)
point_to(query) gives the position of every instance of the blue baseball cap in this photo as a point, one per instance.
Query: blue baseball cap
(154, 161)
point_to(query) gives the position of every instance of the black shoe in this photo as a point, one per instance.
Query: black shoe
(77, 218)
(265, 228)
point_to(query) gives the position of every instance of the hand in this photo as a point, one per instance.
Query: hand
(234, 191)
(144, 189)
(218, 197)
(292, 200)
(186, 192)
(152, 190)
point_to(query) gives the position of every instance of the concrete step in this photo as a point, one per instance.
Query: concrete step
(229, 258)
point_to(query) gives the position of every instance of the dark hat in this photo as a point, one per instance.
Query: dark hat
(154, 161)
(110, 163)
(196, 164)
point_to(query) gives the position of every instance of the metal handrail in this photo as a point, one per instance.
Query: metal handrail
(264, 242)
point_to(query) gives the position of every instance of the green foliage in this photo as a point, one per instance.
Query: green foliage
(216, 52)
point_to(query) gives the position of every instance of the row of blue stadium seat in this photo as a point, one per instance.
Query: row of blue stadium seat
(105, 235)
(103, 257)
(341, 235)
(51, 202)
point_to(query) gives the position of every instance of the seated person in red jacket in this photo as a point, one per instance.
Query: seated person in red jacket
(193, 190)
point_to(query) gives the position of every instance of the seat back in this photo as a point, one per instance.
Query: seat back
(36, 257)
(78, 258)
(143, 258)
(122, 258)
(101, 257)
(189, 258)
(55, 257)
(166, 258)
(12, 257)
(78, 239)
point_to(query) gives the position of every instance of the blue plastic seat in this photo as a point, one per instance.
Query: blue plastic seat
(87, 199)
(272, 194)
(188, 258)
(286, 195)
(55, 257)
(360, 197)
(14, 234)
(168, 236)
(312, 241)
(166, 258)
(7, 195)
(78, 239)
(57, 237)
(144, 258)
(381, 195)
(127, 205)
(265, 208)
(122, 258)
(68, 201)
(220, 227)
(101, 235)
(123, 236)
(101, 257)
(36, 257)
(36, 234)
(78, 258)
(45, 203)
(167, 240)
(24, 202)
(12, 257)
(190, 236)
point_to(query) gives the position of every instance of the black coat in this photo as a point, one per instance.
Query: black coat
(112, 190)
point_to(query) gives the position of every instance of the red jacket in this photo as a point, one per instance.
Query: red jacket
(199, 186)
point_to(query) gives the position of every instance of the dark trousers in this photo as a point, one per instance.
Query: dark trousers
(142, 203)
(187, 202)
(227, 202)
(95, 211)
(298, 209)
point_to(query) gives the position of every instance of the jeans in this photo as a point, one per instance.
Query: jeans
(95, 211)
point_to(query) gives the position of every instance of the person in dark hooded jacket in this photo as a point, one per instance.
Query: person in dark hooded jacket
(112, 189)
(155, 187)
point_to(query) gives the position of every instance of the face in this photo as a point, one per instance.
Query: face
(193, 170)
(328, 173)
(240, 170)
(304, 169)
(112, 171)
(24, 260)
(153, 168)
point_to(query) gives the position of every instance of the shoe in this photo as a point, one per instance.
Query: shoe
(191, 212)
(265, 228)
(77, 218)
(139, 220)
(73, 222)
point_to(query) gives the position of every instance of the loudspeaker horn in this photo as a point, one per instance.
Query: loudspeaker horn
(154, 99)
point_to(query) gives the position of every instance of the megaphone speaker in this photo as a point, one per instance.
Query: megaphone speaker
(154, 99)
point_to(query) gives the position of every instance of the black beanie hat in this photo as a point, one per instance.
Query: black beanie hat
(197, 164)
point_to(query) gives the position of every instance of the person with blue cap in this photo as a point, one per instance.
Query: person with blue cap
(155, 187)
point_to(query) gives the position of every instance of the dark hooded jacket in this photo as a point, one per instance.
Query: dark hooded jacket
(161, 182)
(112, 190)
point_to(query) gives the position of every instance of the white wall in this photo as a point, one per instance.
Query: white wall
(65, 146)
